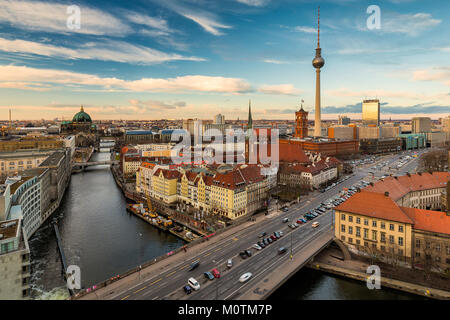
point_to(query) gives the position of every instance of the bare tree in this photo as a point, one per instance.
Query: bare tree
(434, 161)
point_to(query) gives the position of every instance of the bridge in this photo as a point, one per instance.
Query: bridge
(165, 277)
(83, 165)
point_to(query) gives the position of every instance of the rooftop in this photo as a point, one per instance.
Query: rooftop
(53, 160)
(427, 220)
(9, 229)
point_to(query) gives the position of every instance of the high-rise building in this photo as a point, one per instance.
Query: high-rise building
(219, 119)
(343, 120)
(371, 112)
(301, 119)
(421, 125)
(318, 63)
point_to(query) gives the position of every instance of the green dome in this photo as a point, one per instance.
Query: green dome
(81, 116)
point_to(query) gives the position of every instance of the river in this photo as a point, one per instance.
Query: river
(104, 240)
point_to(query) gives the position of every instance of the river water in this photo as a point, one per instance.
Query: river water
(104, 240)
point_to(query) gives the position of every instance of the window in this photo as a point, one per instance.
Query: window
(400, 241)
(383, 248)
(417, 243)
(343, 217)
(366, 233)
(358, 231)
(350, 240)
(391, 227)
(400, 252)
(366, 222)
(358, 220)
(448, 249)
(391, 239)
(343, 228)
(350, 230)
(418, 254)
(374, 224)
(383, 237)
(374, 235)
(343, 238)
(350, 218)
(400, 228)
(358, 242)
(382, 225)
(428, 244)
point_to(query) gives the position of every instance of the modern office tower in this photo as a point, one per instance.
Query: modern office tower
(318, 63)
(371, 112)
(421, 125)
(343, 120)
(219, 119)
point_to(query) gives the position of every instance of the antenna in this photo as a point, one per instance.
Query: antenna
(318, 29)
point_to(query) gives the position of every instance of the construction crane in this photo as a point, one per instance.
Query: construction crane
(151, 210)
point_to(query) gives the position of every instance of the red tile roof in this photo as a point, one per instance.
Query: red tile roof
(427, 220)
(168, 174)
(292, 153)
(375, 205)
(400, 186)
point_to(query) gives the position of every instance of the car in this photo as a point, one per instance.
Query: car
(261, 244)
(296, 225)
(262, 234)
(292, 226)
(243, 255)
(285, 220)
(194, 265)
(273, 238)
(285, 209)
(230, 263)
(194, 284)
(276, 235)
(299, 221)
(315, 224)
(187, 289)
(266, 242)
(215, 273)
(208, 275)
(270, 239)
(282, 250)
(281, 233)
(248, 253)
(304, 220)
(256, 246)
(245, 277)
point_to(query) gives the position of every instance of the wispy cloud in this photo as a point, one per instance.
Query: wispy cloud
(107, 50)
(305, 29)
(41, 78)
(285, 89)
(52, 17)
(207, 23)
(383, 94)
(274, 61)
(441, 74)
(254, 3)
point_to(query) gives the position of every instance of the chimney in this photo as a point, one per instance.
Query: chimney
(419, 173)
(408, 174)
(386, 193)
(371, 184)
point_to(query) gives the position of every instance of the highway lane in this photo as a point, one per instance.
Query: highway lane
(174, 278)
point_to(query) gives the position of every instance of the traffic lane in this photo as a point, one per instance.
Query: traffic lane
(300, 237)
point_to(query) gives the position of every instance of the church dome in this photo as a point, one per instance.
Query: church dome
(81, 116)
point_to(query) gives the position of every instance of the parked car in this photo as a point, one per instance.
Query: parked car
(243, 254)
(262, 234)
(276, 235)
(273, 238)
(281, 233)
(187, 289)
(261, 244)
(248, 253)
(245, 277)
(299, 221)
(208, 275)
(256, 246)
(266, 242)
(285, 220)
(315, 224)
(269, 239)
(291, 226)
(194, 284)
(282, 250)
(229, 263)
(194, 265)
(215, 273)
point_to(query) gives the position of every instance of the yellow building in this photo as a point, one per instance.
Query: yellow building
(31, 143)
(164, 185)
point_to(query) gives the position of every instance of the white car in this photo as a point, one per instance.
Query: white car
(256, 246)
(315, 224)
(245, 277)
(194, 284)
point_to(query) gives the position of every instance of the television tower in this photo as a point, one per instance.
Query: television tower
(318, 63)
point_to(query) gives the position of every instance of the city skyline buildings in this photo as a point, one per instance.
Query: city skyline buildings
(53, 80)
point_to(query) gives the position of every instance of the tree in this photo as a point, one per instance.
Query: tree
(434, 161)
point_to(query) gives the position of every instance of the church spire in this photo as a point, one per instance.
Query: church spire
(250, 121)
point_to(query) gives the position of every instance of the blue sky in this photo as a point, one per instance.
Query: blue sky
(152, 59)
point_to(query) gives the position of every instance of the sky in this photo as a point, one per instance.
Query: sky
(175, 59)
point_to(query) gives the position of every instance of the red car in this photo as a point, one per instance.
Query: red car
(215, 273)
(299, 221)
(273, 238)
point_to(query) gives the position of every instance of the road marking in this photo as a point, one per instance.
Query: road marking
(170, 274)
(140, 289)
(235, 239)
(207, 254)
(155, 281)
(184, 267)
(125, 297)
(217, 249)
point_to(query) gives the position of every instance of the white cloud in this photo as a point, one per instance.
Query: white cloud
(286, 89)
(207, 23)
(42, 78)
(152, 22)
(437, 74)
(109, 50)
(254, 3)
(52, 17)
(383, 94)
(305, 29)
(274, 61)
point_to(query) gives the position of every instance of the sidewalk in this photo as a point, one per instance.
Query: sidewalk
(134, 279)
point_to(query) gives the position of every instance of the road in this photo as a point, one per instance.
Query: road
(169, 283)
